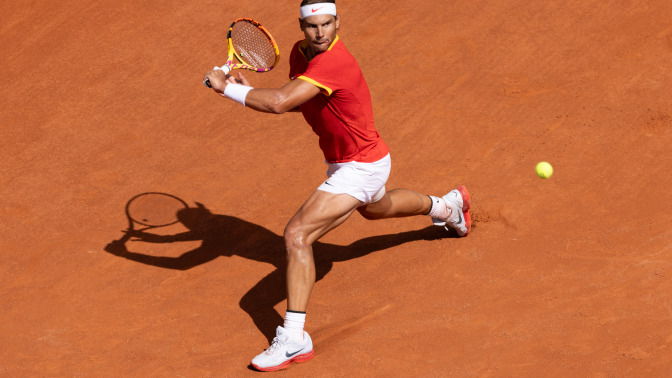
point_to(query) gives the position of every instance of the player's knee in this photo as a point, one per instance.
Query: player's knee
(295, 238)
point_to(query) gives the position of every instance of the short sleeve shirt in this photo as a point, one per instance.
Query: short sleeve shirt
(342, 114)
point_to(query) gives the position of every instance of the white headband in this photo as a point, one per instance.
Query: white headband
(317, 9)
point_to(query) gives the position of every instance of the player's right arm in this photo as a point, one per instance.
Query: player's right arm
(281, 100)
(277, 100)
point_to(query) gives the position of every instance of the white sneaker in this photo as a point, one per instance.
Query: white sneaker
(284, 351)
(459, 202)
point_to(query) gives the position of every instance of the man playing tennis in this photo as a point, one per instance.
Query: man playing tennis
(328, 87)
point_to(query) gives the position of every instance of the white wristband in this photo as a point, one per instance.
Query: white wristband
(237, 92)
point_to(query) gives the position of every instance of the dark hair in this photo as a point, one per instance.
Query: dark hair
(308, 2)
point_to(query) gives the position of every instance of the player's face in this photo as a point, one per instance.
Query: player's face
(320, 31)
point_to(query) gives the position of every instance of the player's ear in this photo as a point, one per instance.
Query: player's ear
(301, 24)
(338, 22)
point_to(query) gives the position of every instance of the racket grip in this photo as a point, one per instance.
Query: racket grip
(224, 68)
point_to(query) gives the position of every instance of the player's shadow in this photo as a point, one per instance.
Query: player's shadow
(224, 235)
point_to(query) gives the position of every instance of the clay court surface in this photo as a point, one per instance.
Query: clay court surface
(570, 276)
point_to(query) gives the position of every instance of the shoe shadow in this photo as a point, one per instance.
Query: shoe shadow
(224, 235)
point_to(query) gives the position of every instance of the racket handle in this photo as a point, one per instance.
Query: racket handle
(224, 68)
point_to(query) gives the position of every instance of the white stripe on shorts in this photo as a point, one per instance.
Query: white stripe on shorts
(364, 181)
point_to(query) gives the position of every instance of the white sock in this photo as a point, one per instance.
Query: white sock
(294, 322)
(439, 209)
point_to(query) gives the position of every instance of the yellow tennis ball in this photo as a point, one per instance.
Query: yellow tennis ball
(544, 170)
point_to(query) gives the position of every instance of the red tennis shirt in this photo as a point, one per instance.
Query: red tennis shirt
(342, 114)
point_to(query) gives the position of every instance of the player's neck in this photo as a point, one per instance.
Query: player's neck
(309, 53)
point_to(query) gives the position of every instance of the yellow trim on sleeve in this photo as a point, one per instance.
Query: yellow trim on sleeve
(315, 83)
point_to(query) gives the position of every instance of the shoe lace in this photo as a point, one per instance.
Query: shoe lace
(276, 344)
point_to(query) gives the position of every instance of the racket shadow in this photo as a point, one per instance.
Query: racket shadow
(224, 236)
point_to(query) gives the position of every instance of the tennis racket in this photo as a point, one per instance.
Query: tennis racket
(252, 45)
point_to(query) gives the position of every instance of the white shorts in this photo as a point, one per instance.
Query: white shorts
(364, 181)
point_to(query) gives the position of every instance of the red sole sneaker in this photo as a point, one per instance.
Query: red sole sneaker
(298, 359)
(466, 205)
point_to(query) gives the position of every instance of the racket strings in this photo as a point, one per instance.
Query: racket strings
(252, 45)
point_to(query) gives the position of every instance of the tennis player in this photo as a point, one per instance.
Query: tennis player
(328, 88)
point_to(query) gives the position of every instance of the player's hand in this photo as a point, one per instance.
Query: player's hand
(239, 80)
(218, 80)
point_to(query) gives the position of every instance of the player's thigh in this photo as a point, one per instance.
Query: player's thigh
(378, 209)
(321, 213)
